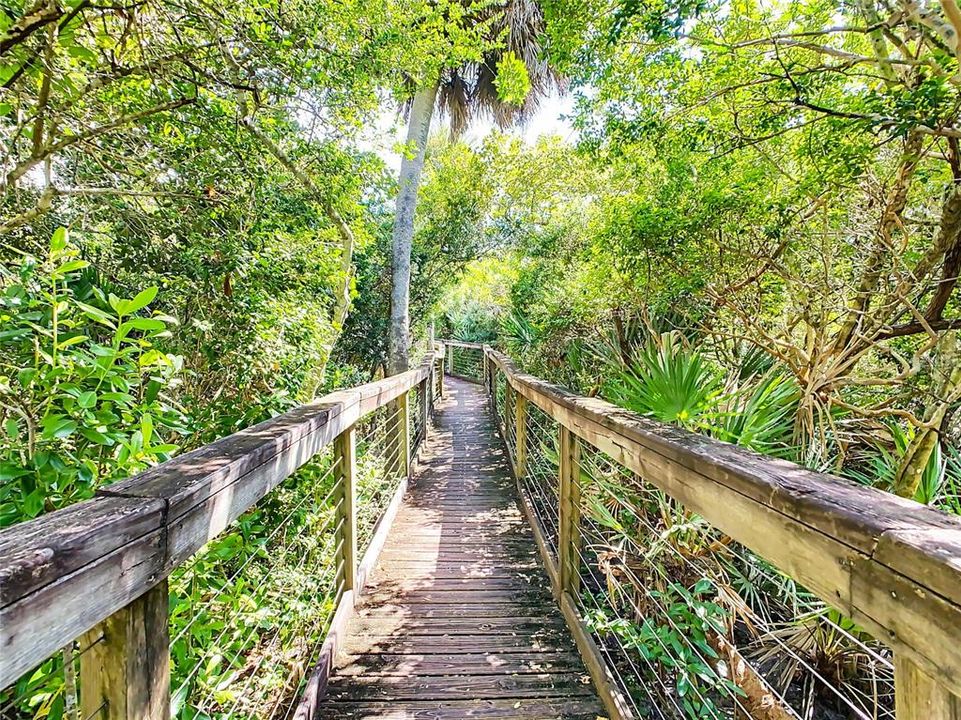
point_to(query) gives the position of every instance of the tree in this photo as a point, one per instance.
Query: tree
(506, 80)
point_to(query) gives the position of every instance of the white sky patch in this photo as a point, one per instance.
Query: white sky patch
(389, 131)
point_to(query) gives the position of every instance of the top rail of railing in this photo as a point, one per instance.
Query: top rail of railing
(65, 572)
(890, 564)
(460, 344)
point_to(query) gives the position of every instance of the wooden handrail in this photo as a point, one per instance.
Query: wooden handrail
(890, 564)
(65, 572)
(460, 344)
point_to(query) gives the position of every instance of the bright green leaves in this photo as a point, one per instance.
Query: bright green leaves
(128, 307)
(513, 82)
(86, 391)
(668, 381)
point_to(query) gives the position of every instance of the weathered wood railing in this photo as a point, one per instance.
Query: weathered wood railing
(890, 565)
(97, 571)
(465, 360)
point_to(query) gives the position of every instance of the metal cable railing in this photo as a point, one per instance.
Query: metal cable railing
(246, 616)
(680, 619)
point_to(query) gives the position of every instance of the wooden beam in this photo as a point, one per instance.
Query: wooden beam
(891, 565)
(63, 573)
(917, 696)
(125, 671)
(398, 434)
(425, 403)
(345, 457)
(569, 498)
(467, 345)
(520, 435)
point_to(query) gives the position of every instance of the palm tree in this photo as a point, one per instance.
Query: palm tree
(463, 93)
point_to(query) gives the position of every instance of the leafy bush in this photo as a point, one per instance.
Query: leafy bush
(82, 385)
(668, 381)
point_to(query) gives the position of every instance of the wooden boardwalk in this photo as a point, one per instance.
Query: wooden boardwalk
(458, 619)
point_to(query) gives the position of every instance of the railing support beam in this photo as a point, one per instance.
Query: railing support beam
(346, 459)
(399, 434)
(569, 470)
(125, 670)
(425, 402)
(918, 696)
(439, 369)
(520, 435)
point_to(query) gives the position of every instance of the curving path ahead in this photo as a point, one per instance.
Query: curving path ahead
(458, 620)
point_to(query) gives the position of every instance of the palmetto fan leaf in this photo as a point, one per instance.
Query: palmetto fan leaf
(469, 91)
(667, 381)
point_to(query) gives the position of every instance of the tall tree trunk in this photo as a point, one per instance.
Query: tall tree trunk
(410, 170)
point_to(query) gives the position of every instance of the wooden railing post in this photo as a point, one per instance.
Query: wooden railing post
(918, 696)
(399, 434)
(425, 402)
(125, 670)
(520, 435)
(346, 459)
(569, 471)
(509, 405)
(440, 372)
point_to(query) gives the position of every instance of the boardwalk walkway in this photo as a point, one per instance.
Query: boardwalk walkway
(458, 619)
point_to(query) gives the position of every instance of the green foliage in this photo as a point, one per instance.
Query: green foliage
(880, 464)
(84, 388)
(675, 637)
(668, 381)
(512, 81)
(759, 415)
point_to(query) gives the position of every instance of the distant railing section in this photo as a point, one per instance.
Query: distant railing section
(465, 360)
(663, 546)
(217, 584)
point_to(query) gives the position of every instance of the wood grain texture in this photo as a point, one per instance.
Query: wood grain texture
(457, 619)
(919, 697)
(544, 709)
(125, 675)
(67, 571)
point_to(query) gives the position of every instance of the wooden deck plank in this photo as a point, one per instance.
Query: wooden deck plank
(500, 686)
(539, 708)
(413, 665)
(458, 619)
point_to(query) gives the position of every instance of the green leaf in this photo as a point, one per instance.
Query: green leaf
(75, 340)
(146, 428)
(87, 399)
(118, 305)
(70, 266)
(58, 243)
(11, 471)
(15, 333)
(150, 324)
(97, 315)
(95, 436)
(143, 298)
(58, 427)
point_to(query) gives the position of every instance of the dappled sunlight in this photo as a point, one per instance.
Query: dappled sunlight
(457, 608)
